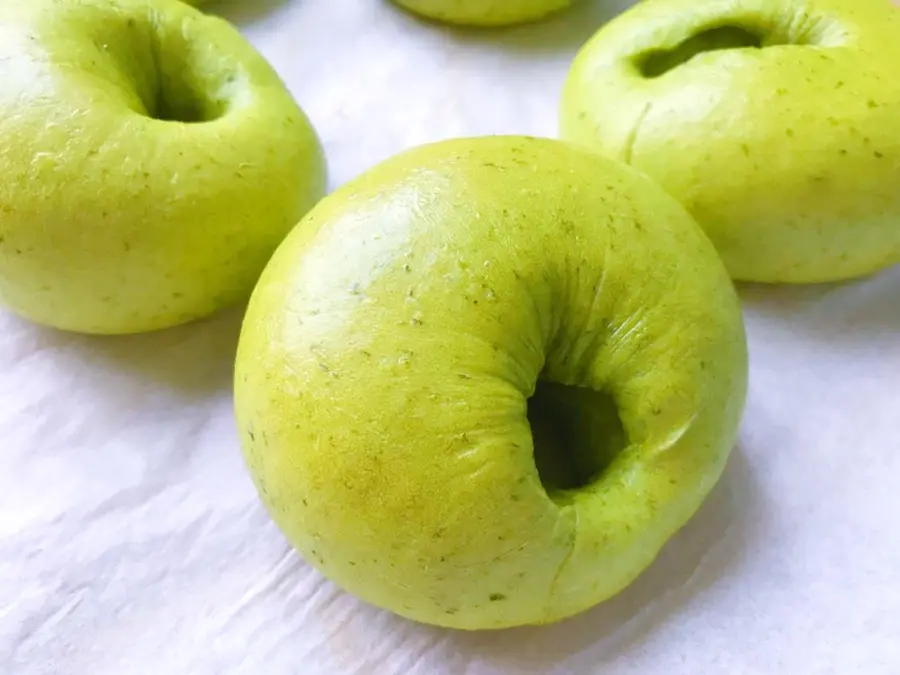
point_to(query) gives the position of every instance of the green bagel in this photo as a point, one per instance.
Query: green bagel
(151, 159)
(482, 384)
(485, 12)
(775, 122)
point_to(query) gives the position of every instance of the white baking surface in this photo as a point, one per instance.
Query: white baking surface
(131, 541)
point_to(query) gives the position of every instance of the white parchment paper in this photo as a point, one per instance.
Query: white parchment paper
(131, 540)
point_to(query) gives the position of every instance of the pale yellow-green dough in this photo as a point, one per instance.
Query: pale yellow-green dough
(393, 341)
(776, 122)
(152, 160)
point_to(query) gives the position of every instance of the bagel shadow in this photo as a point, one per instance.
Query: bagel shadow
(565, 31)
(859, 312)
(195, 360)
(711, 546)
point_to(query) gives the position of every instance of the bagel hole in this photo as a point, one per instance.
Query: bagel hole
(166, 67)
(182, 97)
(191, 83)
(577, 432)
(185, 112)
(659, 62)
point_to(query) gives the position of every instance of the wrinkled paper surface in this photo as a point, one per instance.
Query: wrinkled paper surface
(132, 542)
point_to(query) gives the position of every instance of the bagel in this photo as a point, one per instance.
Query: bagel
(151, 162)
(485, 12)
(482, 384)
(775, 122)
